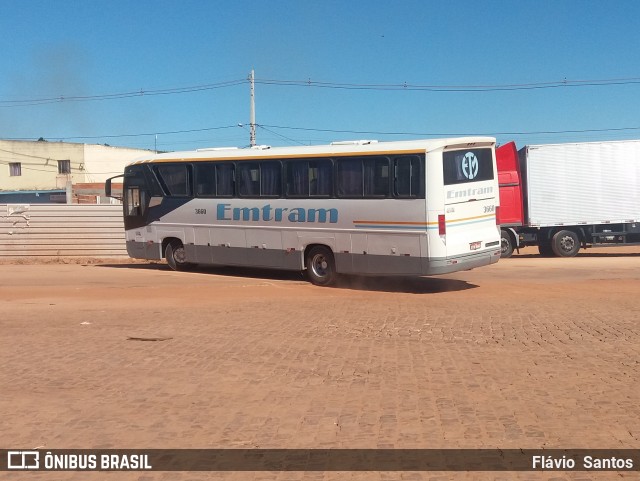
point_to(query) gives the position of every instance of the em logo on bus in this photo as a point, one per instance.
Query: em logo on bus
(470, 165)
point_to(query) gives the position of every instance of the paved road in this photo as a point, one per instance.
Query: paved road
(528, 353)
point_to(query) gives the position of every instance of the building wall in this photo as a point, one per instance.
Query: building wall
(39, 163)
(103, 161)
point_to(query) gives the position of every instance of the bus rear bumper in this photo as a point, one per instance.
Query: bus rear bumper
(466, 262)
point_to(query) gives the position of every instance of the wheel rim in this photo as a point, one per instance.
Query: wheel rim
(567, 243)
(320, 265)
(505, 246)
(179, 255)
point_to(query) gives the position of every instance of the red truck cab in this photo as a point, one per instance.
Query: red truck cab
(511, 212)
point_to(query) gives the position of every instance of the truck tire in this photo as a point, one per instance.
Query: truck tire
(506, 244)
(544, 248)
(565, 243)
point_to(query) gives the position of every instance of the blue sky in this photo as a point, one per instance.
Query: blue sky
(87, 48)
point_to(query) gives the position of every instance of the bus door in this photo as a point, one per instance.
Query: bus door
(471, 200)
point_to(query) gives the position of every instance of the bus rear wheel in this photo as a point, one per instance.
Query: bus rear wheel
(321, 266)
(176, 256)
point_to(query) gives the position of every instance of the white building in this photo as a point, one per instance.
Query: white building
(42, 166)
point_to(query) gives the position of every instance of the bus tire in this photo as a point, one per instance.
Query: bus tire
(176, 257)
(565, 243)
(321, 266)
(506, 244)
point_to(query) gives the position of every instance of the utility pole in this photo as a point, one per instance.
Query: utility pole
(252, 118)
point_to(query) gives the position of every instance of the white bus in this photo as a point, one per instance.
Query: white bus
(418, 207)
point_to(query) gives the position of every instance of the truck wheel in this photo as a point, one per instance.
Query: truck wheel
(545, 249)
(176, 256)
(565, 243)
(321, 266)
(506, 244)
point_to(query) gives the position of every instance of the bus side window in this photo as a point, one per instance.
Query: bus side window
(297, 179)
(270, 179)
(176, 179)
(408, 177)
(225, 180)
(313, 178)
(363, 177)
(248, 179)
(320, 178)
(205, 179)
(349, 177)
(376, 177)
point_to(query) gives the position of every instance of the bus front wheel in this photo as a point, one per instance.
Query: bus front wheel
(176, 256)
(321, 266)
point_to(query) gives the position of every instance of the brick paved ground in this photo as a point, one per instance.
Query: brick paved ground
(528, 353)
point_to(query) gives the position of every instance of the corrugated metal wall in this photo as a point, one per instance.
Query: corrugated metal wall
(69, 230)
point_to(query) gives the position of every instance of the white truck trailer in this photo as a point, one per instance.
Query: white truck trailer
(573, 195)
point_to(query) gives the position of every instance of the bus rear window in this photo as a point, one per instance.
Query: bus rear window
(473, 165)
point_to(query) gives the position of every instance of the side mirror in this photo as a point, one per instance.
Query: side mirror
(107, 187)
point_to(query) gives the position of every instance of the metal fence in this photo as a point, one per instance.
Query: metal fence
(65, 230)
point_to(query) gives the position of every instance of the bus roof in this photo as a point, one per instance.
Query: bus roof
(367, 147)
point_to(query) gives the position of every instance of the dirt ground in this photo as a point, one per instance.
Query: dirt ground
(529, 353)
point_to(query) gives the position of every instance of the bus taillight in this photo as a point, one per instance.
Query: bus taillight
(497, 215)
(442, 225)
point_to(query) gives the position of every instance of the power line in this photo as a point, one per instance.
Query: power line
(26, 155)
(268, 127)
(404, 86)
(113, 136)
(120, 95)
(449, 134)
(280, 135)
(451, 88)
